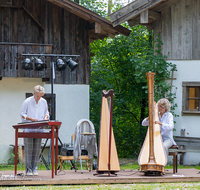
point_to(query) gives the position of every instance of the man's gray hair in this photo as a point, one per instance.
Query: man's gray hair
(38, 89)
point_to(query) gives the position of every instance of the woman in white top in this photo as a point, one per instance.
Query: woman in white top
(166, 123)
(34, 108)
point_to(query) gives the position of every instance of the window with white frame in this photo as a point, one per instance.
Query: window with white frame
(191, 97)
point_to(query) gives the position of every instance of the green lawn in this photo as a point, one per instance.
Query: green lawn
(158, 186)
(67, 166)
(151, 186)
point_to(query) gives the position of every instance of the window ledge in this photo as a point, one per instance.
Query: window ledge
(191, 112)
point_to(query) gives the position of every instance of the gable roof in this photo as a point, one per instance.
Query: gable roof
(140, 12)
(99, 27)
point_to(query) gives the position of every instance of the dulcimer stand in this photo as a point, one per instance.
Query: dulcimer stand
(52, 125)
(49, 156)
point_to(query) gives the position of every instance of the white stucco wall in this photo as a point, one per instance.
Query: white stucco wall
(72, 104)
(187, 70)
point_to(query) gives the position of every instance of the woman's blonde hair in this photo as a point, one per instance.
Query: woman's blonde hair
(38, 89)
(164, 102)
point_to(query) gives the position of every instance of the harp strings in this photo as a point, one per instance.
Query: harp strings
(107, 120)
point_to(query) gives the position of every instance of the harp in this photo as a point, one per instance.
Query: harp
(107, 161)
(152, 158)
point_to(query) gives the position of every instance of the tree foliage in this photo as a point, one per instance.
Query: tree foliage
(121, 64)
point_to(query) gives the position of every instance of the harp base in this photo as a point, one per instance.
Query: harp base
(152, 168)
(109, 173)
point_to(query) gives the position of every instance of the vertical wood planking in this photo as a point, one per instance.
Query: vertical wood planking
(83, 53)
(34, 49)
(7, 60)
(1, 24)
(50, 24)
(42, 50)
(30, 29)
(56, 37)
(21, 71)
(66, 38)
(2, 60)
(73, 44)
(14, 25)
(46, 18)
(48, 62)
(42, 6)
(167, 32)
(21, 26)
(62, 42)
(28, 50)
(87, 60)
(67, 32)
(77, 74)
(13, 61)
(157, 29)
(177, 32)
(196, 31)
(6, 22)
(36, 29)
(187, 6)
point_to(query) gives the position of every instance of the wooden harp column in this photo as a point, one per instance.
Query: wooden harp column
(107, 161)
(152, 158)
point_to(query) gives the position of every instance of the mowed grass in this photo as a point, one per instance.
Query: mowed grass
(67, 166)
(152, 186)
(132, 166)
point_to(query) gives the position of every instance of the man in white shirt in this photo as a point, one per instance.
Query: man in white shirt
(34, 108)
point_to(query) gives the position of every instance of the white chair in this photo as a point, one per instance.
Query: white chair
(85, 137)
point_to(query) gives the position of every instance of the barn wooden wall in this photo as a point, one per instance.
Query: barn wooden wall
(180, 30)
(41, 23)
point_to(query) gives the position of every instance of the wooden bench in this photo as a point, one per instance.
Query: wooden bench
(175, 157)
(65, 158)
(183, 142)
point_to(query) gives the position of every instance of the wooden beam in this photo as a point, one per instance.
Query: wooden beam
(127, 9)
(134, 21)
(88, 15)
(107, 33)
(144, 17)
(154, 15)
(34, 19)
(149, 26)
(40, 26)
(165, 5)
(97, 27)
(135, 12)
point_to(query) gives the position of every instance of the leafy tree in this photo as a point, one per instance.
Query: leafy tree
(100, 7)
(121, 64)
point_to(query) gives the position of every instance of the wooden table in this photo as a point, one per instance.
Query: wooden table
(53, 125)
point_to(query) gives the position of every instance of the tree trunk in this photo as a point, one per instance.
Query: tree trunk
(109, 6)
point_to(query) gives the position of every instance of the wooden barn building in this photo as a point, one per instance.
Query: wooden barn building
(56, 27)
(178, 22)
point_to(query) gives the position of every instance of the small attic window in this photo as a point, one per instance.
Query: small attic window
(191, 98)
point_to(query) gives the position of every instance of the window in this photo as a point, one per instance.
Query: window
(191, 97)
(47, 97)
